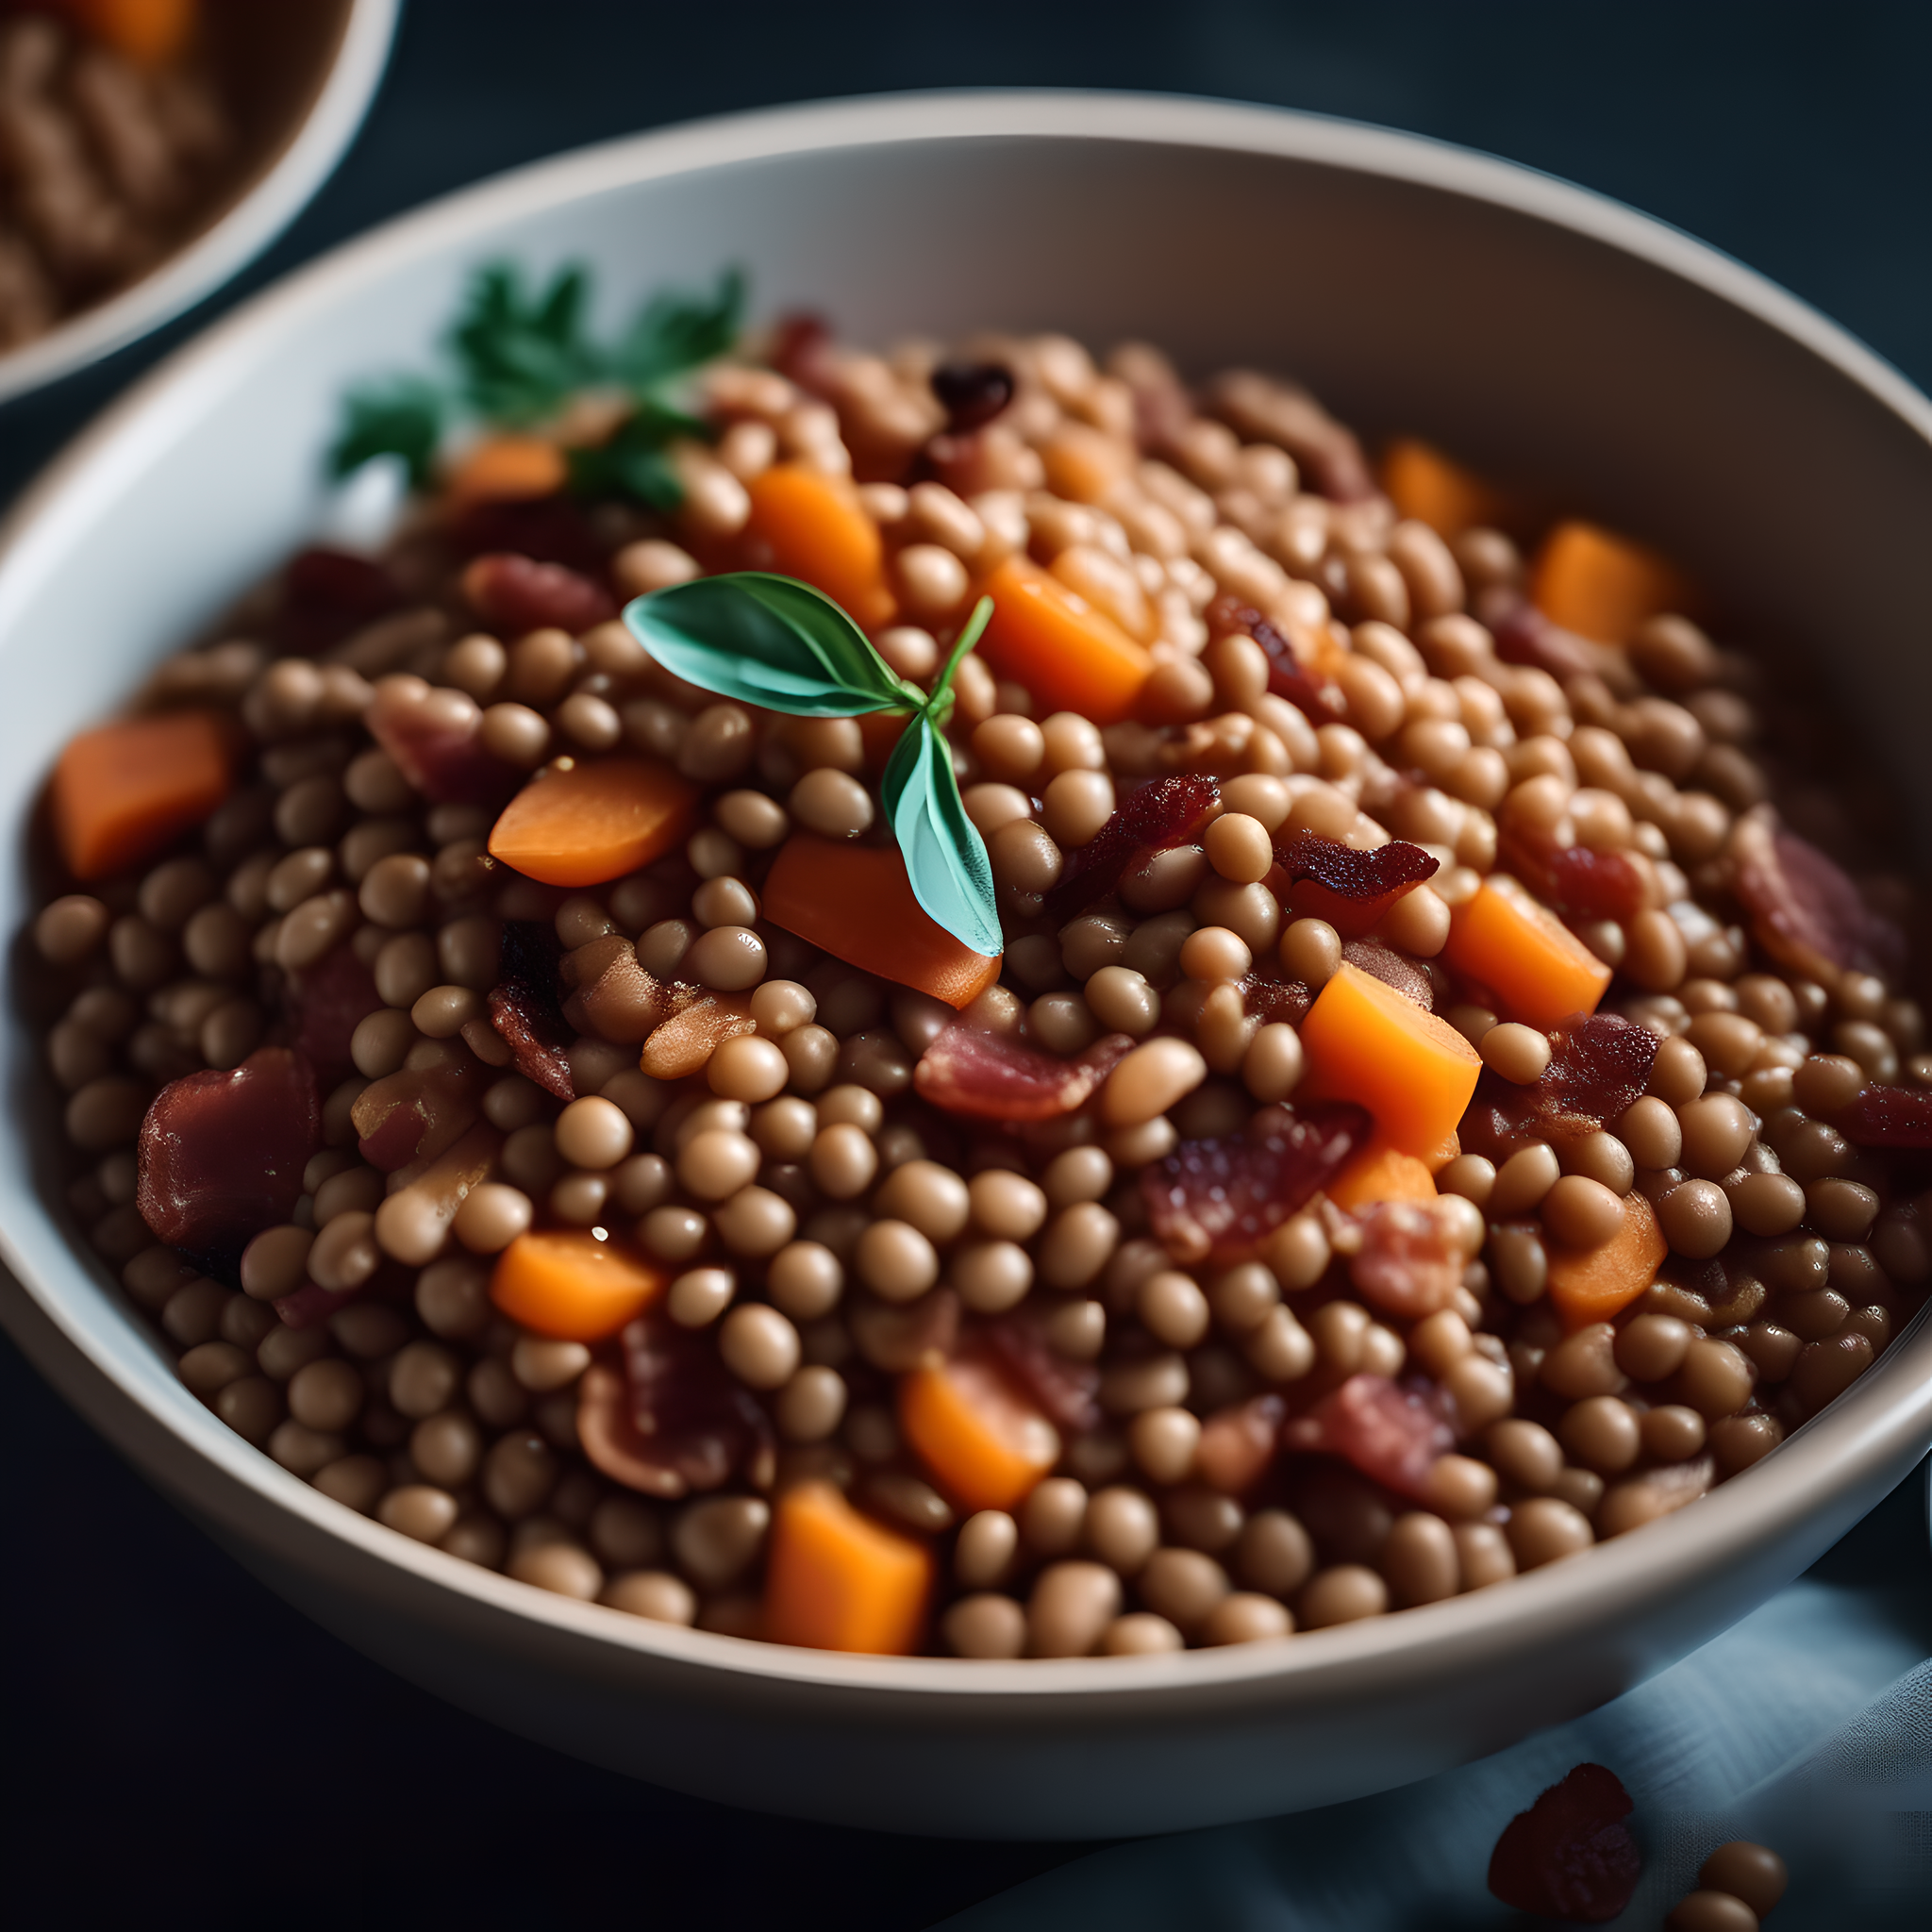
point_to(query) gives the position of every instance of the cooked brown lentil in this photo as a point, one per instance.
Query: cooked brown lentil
(824, 1232)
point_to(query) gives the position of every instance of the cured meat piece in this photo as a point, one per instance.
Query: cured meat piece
(1318, 698)
(221, 1154)
(436, 736)
(1410, 1262)
(513, 593)
(325, 1001)
(1887, 1117)
(1598, 1071)
(1286, 1000)
(658, 1412)
(1524, 636)
(1408, 976)
(1570, 1856)
(1573, 878)
(1391, 1434)
(551, 529)
(1349, 887)
(1167, 812)
(1218, 1200)
(614, 997)
(992, 1076)
(1067, 1391)
(803, 349)
(1805, 912)
(972, 393)
(413, 1114)
(326, 595)
(524, 1006)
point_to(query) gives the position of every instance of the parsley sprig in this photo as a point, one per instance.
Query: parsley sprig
(773, 642)
(517, 357)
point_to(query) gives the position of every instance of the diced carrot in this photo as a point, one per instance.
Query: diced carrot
(1538, 969)
(507, 469)
(856, 902)
(1592, 1285)
(1381, 1173)
(123, 790)
(818, 530)
(1601, 585)
(150, 32)
(836, 1580)
(1084, 464)
(1371, 1044)
(595, 822)
(985, 1445)
(685, 1042)
(568, 1284)
(1069, 656)
(1435, 489)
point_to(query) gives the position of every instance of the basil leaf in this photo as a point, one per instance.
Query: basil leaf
(945, 858)
(768, 641)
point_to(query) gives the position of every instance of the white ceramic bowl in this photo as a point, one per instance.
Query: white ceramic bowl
(1531, 326)
(310, 80)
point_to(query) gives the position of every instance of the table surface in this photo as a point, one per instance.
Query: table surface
(179, 1742)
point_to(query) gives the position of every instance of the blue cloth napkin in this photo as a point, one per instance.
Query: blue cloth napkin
(1807, 1728)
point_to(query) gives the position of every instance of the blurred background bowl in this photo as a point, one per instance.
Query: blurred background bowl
(1531, 327)
(295, 78)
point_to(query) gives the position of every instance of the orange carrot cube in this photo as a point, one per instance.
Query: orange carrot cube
(568, 1284)
(986, 1446)
(1381, 1173)
(123, 790)
(1593, 1285)
(595, 822)
(819, 531)
(1601, 585)
(1069, 656)
(507, 469)
(836, 1580)
(856, 902)
(1538, 969)
(1435, 490)
(1371, 1044)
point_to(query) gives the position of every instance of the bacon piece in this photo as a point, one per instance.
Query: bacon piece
(1887, 1117)
(992, 1076)
(1067, 1391)
(221, 1154)
(1410, 977)
(657, 1411)
(1598, 1070)
(551, 529)
(436, 738)
(1393, 1435)
(1165, 814)
(1806, 913)
(1524, 636)
(415, 1113)
(1238, 1444)
(1286, 1000)
(1410, 1262)
(325, 1001)
(1573, 878)
(1570, 1856)
(1318, 698)
(614, 997)
(1218, 1200)
(327, 593)
(523, 1009)
(513, 593)
(1349, 887)
(702, 1023)
(804, 350)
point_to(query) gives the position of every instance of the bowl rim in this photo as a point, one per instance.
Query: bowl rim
(1871, 1435)
(227, 245)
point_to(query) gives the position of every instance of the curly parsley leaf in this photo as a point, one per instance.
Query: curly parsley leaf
(402, 418)
(520, 357)
(676, 333)
(633, 461)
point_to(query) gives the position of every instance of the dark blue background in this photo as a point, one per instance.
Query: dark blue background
(180, 1748)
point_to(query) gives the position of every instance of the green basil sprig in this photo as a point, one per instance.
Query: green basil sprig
(773, 642)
